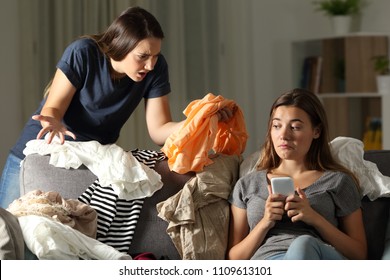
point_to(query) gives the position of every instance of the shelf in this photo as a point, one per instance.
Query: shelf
(352, 34)
(347, 86)
(350, 95)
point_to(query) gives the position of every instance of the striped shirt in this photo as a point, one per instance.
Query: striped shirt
(117, 218)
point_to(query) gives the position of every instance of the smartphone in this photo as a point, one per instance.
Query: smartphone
(282, 185)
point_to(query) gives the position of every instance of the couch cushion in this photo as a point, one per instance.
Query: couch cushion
(375, 217)
(157, 239)
(37, 174)
(376, 213)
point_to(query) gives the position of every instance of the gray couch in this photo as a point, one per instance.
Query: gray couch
(150, 235)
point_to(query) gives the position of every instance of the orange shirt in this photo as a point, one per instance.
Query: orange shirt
(188, 148)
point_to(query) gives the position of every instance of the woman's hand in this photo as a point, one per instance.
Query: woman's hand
(274, 208)
(53, 127)
(225, 114)
(298, 208)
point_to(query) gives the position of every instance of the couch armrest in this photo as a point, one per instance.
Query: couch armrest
(36, 173)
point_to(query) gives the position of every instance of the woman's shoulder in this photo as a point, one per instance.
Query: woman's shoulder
(253, 176)
(336, 174)
(83, 44)
(337, 179)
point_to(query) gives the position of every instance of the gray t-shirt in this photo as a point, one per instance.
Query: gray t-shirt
(333, 195)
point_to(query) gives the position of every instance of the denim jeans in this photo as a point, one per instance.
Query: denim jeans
(386, 253)
(10, 182)
(307, 247)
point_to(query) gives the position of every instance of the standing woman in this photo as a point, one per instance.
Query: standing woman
(99, 81)
(323, 219)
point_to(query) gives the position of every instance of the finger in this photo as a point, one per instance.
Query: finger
(50, 137)
(224, 114)
(296, 218)
(290, 206)
(229, 112)
(42, 132)
(36, 117)
(71, 134)
(291, 213)
(301, 193)
(276, 216)
(221, 116)
(62, 138)
(40, 118)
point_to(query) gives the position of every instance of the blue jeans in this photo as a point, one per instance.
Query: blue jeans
(307, 247)
(386, 253)
(10, 182)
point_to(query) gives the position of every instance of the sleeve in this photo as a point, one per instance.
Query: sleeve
(347, 196)
(74, 61)
(160, 85)
(236, 196)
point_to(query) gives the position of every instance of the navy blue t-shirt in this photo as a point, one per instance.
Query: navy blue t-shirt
(101, 105)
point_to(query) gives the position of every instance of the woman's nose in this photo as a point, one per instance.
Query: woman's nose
(149, 65)
(284, 134)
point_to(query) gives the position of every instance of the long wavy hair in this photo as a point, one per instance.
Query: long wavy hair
(319, 156)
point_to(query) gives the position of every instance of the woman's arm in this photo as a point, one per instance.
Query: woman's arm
(349, 240)
(242, 243)
(159, 120)
(60, 95)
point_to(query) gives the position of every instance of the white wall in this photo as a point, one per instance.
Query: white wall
(273, 25)
(10, 117)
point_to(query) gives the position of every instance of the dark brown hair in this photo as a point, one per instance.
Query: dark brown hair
(319, 156)
(126, 31)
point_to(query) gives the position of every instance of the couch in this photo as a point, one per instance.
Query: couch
(150, 234)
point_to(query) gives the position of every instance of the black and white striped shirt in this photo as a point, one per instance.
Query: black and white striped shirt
(117, 218)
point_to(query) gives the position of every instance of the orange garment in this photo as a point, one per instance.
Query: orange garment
(188, 148)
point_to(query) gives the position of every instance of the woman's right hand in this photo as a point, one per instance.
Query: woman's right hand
(53, 127)
(274, 208)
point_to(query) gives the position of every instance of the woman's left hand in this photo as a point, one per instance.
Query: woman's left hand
(225, 114)
(298, 208)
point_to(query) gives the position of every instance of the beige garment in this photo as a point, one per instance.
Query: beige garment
(198, 215)
(71, 212)
(11, 237)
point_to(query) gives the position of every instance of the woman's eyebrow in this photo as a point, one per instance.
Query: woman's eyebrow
(292, 120)
(148, 54)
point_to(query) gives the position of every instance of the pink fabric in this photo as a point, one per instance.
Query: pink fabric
(71, 212)
(188, 148)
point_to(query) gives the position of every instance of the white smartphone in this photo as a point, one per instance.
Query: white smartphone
(282, 185)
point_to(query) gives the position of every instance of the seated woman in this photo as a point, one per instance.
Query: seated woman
(323, 219)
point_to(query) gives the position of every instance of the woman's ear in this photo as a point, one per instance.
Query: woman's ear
(317, 133)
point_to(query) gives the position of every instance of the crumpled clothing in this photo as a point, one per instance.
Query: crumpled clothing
(70, 212)
(188, 148)
(11, 237)
(350, 153)
(198, 215)
(129, 178)
(51, 240)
